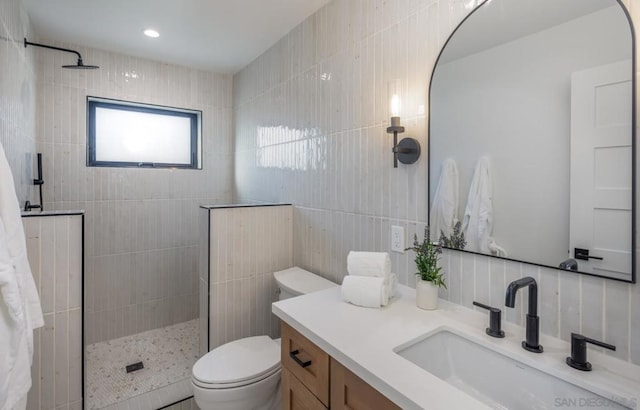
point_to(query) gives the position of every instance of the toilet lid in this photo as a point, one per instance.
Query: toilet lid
(238, 361)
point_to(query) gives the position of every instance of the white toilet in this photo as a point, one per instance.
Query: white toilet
(245, 374)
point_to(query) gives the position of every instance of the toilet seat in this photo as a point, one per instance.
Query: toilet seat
(238, 363)
(230, 386)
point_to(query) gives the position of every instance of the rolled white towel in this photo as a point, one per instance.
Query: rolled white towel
(365, 291)
(390, 288)
(392, 285)
(376, 264)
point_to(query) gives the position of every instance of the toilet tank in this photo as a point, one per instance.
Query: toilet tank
(297, 281)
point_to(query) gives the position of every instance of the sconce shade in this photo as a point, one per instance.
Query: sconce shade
(394, 93)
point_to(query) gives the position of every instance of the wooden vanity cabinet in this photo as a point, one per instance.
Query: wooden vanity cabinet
(312, 380)
(305, 361)
(348, 391)
(295, 396)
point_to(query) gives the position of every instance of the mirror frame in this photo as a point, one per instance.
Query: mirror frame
(634, 153)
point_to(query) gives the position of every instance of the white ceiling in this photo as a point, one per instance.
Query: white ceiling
(513, 19)
(217, 35)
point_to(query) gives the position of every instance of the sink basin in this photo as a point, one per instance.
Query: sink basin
(493, 378)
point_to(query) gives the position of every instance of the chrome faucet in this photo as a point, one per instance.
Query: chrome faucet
(533, 321)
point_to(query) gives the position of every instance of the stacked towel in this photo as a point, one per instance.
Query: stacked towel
(376, 264)
(370, 282)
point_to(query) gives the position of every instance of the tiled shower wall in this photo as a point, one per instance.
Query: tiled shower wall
(310, 117)
(17, 96)
(141, 224)
(244, 245)
(54, 248)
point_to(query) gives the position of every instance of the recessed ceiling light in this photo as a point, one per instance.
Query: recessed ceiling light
(151, 33)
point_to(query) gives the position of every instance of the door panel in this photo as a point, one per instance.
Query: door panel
(601, 162)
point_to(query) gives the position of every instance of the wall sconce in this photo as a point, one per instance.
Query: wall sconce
(407, 150)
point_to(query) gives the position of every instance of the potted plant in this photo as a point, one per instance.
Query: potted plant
(456, 240)
(430, 276)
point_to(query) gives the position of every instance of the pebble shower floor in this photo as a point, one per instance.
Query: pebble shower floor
(168, 354)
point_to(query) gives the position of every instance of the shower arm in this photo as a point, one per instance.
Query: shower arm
(29, 43)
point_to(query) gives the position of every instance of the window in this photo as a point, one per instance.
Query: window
(127, 134)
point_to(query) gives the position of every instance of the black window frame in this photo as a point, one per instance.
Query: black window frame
(195, 117)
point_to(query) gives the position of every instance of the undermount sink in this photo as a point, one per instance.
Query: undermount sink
(493, 378)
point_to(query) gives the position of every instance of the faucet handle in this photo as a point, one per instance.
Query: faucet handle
(495, 320)
(578, 359)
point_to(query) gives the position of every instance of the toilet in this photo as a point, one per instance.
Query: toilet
(245, 374)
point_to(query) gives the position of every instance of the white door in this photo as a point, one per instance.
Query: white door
(601, 158)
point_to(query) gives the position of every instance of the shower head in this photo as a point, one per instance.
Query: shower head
(78, 65)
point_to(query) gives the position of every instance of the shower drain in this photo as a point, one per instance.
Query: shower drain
(134, 366)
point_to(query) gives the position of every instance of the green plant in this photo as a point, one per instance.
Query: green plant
(427, 257)
(456, 240)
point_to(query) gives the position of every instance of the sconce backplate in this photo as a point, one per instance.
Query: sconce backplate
(408, 150)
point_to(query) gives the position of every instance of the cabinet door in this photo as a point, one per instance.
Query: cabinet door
(348, 391)
(295, 396)
(306, 361)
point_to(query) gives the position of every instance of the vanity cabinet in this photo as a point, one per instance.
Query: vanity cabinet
(306, 362)
(295, 396)
(348, 391)
(311, 379)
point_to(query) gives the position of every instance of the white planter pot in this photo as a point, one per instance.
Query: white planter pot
(426, 295)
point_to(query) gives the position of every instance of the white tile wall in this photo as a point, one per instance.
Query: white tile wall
(203, 278)
(246, 245)
(310, 117)
(17, 96)
(54, 249)
(142, 233)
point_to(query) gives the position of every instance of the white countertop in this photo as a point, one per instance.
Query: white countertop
(363, 340)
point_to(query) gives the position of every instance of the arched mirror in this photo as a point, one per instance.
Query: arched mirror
(532, 136)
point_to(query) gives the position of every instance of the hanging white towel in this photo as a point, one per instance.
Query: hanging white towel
(15, 377)
(9, 289)
(376, 264)
(477, 223)
(444, 208)
(13, 240)
(10, 214)
(496, 249)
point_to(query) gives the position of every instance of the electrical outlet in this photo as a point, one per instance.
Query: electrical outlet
(397, 239)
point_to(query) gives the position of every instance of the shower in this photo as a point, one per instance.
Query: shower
(79, 65)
